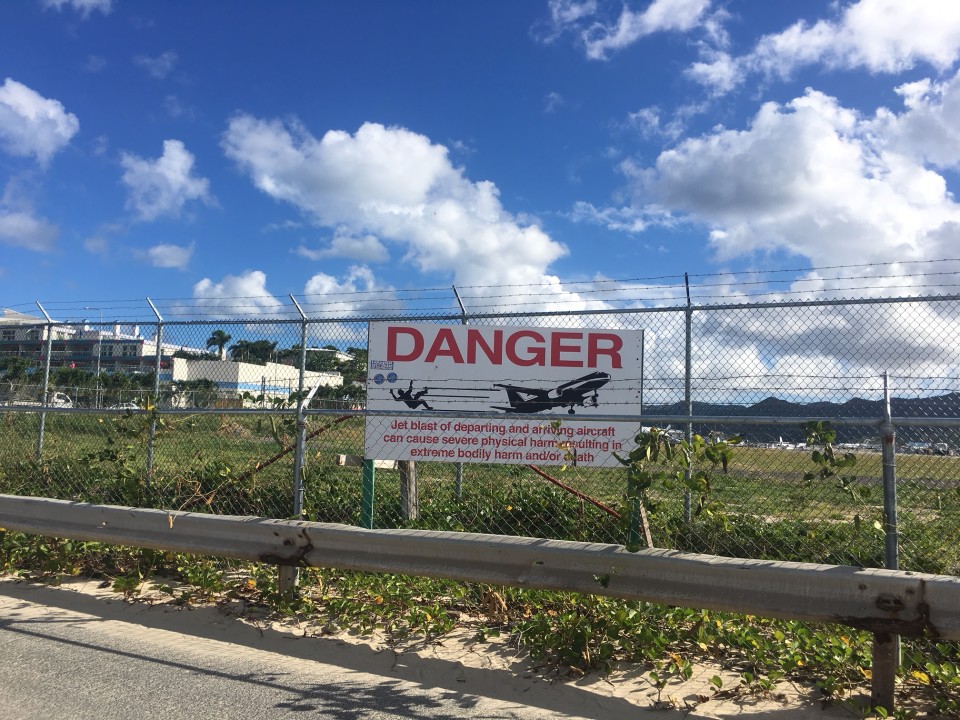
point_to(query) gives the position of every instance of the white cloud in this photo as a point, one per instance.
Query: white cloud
(600, 40)
(237, 296)
(625, 219)
(397, 185)
(366, 248)
(564, 15)
(94, 63)
(160, 66)
(881, 36)
(97, 245)
(553, 102)
(359, 292)
(23, 229)
(649, 123)
(810, 178)
(84, 7)
(720, 72)
(163, 186)
(166, 255)
(31, 124)
(176, 109)
(928, 131)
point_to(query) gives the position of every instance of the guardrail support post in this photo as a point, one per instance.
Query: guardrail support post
(366, 501)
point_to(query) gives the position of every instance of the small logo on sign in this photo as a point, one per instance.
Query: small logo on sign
(378, 378)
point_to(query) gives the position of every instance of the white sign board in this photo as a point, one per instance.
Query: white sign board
(562, 375)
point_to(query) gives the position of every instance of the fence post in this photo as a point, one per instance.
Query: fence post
(409, 499)
(151, 434)
(366, 500)
(288, 576)
(688, 395)
(46, 381)
(886, 646)
(458, 483)
(300, 452)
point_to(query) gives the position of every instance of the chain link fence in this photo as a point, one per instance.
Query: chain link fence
(203, 416)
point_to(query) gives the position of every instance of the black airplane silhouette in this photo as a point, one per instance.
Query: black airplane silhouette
(570, 394)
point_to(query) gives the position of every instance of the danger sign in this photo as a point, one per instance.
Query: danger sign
(440, 370)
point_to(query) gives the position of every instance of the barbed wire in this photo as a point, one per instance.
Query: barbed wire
(834, 282)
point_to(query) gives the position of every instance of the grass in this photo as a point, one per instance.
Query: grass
(206, 463)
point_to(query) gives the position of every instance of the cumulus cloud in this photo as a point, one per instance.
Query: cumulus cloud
(366, 248)
(163, 186)
(31, 124)
(881, 36)
(400, 187)
(84, 7)
(160, 66)
(359, 292)
(600, 39)
(811, 178)
(928, 132)
(23, 229)
(237, 296)
(167, 255)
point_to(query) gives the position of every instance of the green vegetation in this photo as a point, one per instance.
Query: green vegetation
(746, 502)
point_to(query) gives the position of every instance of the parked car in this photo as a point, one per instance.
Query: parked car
(57, 399)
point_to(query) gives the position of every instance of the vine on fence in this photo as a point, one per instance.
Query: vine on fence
(690, 465)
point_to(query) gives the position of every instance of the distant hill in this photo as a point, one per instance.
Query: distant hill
(939, 406)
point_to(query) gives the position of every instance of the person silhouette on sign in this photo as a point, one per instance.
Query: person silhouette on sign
(412, 399)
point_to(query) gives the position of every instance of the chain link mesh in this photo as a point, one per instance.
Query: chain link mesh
(202, 416)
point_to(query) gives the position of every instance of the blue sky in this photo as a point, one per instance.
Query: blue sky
(547, 153)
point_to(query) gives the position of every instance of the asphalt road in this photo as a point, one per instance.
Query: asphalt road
(66, 654)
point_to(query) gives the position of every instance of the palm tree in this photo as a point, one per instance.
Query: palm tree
(219, 339)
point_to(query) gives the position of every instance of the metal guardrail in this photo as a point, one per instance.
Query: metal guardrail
(877, 600)
(888, 603)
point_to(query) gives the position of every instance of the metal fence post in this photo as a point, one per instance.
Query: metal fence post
(151, 433)
(886, 646)
(688, 395)
(298, 489)
(366, 501)
(46, 381)
(458, 484)
(289, 575)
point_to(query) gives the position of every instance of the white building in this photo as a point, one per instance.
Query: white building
(272, 380)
